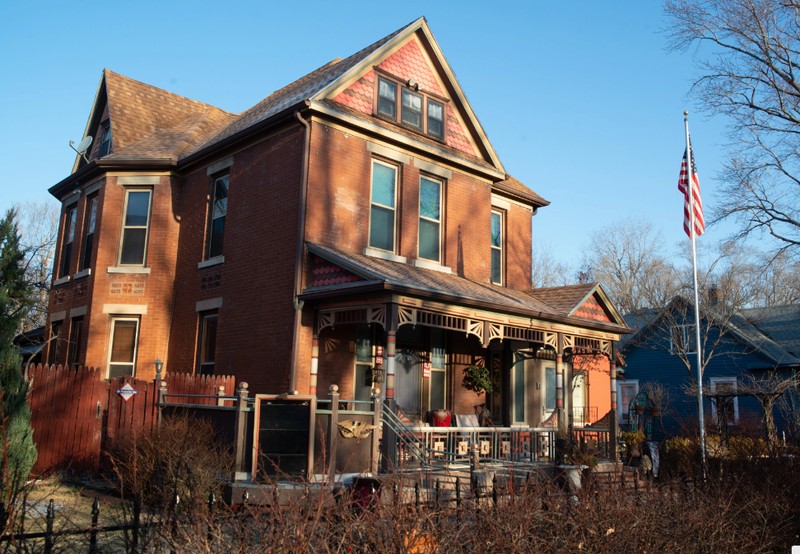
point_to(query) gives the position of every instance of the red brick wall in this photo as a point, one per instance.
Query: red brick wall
(256, 280)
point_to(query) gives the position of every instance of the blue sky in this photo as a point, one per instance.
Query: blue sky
(579, 98)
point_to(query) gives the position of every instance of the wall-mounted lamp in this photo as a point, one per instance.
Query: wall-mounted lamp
(159, 365)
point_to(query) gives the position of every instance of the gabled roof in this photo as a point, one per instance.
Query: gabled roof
(152, 124)
(588, 301)
(750, 327)
(378, 274)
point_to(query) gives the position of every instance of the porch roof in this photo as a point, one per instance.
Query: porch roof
(371, 274)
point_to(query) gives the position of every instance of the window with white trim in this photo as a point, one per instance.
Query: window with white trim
(723, 390)
(430, 219)
(135, 227)
(626, 391)
(382, 220)
(219, 211)
(438, 380)
(497, 247)
(74, 354)
(683, 340)
(124, 344)
(207, 344)
(67, 240)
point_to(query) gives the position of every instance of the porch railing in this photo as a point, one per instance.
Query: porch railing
(596, 440)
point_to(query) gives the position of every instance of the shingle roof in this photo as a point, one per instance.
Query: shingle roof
(149, 122)
(780, 323)
(563, 299)
(513, 186)
(439, 284)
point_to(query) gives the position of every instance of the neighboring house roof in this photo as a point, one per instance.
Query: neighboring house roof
(152, 124)
(389, 275)
(771, 332)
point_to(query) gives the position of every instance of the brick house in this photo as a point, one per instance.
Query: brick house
(354, 224)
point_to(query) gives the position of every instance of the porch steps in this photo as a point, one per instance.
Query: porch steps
(610, 475)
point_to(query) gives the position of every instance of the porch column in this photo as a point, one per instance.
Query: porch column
(560, 389)
(391, 350)
(612, 423)
(312, 386)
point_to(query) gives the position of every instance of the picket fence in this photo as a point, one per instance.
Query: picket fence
(77, 415)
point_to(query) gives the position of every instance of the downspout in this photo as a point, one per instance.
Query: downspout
(298, 255)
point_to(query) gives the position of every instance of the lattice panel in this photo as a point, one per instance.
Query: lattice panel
(522, 333)
(442, 321)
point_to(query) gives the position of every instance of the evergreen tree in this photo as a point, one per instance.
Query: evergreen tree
(17, 451)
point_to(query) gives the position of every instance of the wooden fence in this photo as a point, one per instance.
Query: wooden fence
(77, 415)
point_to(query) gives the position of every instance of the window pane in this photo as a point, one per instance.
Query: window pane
(363, 344)
(138, 207)
(124, 341)
(221, 197)
(428, 240)
(133, 246)
(435, 119)
(118, 370)
(497, 232)
(381, 228)
(383, 183)
(69, 232)
(519, 390)
(209, 347)
(387, 98)
(429, 198)
(412, 109)
(75, 340)
(550, 388)
(437, 390)
(497, 260)
(217, 237)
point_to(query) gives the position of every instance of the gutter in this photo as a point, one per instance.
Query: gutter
(95, 167)
(298, 255)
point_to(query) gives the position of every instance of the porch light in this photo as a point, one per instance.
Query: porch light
(159, 365)
(378, 374)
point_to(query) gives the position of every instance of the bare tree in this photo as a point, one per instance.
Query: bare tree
(38, 227)
(627, 258)
(547, 269)
(750, 74)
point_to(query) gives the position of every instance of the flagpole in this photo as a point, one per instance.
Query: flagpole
(699, 345)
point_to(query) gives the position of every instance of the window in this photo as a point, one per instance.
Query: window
(105, 141)
(430, 219)
(124, 343)
(135, 226)
(549, 389)
(723, 401)
(75, 336)
(364, 363)
(387, 98)
(67, 240)
(438, 389)
(416, 109)
(411, 112)
(625, 393)
(55, 348)
(436, 119)
(219, 211)
(382, 210)
(683, 340)
(497, 247)
(89, 224)
(208, 343)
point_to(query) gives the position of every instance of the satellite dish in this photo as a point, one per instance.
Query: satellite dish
(82, 147)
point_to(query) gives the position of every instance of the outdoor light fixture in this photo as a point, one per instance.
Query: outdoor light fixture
(159, 365)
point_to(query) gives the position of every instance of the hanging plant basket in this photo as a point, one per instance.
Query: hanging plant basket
(477, 378)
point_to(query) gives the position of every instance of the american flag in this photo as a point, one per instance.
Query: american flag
(696, 203)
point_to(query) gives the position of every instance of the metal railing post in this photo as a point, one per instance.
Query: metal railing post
(333, 425)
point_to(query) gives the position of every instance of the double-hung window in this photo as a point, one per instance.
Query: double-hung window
(208, 343)
(436, 119)
(411, 112)
(387, 98)
(105, 141)
(67, 240)
(382, 208)
(430, 219)
(124, 344)
(497, 247)
(135, 227)
(89, 224)
(219, 211)
(683, 340)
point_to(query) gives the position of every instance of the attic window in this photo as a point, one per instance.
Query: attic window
(411, 108)
(105, 141)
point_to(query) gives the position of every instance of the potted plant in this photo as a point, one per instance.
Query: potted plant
(633, 441)
(477, 378)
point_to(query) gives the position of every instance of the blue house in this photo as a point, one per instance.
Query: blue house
(738, 346)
